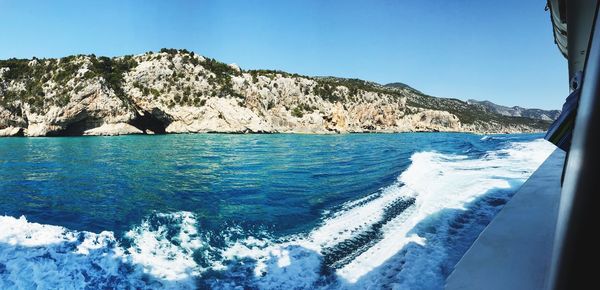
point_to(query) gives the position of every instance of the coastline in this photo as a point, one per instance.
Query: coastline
(177, 91)
(286, 133)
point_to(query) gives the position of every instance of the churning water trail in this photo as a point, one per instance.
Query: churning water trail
(407, 235)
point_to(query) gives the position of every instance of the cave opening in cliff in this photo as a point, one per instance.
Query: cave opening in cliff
(76, 128)
(148, 121)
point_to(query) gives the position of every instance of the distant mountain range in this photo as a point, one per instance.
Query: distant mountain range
(516, 111)
(178, 91)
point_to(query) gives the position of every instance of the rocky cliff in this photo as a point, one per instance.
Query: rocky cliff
(176, 91)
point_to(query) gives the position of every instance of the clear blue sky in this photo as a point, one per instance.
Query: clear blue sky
(501, 51)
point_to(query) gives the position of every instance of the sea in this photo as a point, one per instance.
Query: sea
(274, 211)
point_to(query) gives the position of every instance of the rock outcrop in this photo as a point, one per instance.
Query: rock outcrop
(176, 91)
(113, 129)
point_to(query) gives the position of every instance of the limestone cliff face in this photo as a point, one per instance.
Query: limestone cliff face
(181, 92)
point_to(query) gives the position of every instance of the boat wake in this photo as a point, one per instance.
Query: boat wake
(407, 235)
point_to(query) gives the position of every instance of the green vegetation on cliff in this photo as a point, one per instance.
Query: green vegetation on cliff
(161, 83)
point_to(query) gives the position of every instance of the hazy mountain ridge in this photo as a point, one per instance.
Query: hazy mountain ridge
(177, 91)
(516, 111)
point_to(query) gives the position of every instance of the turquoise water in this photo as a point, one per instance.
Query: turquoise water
(279, 181)
(145, 191)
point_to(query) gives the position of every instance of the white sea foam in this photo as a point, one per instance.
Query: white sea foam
(168, 258)
(448, 200)
(36, 256)
(444, 187)
(418, 246)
